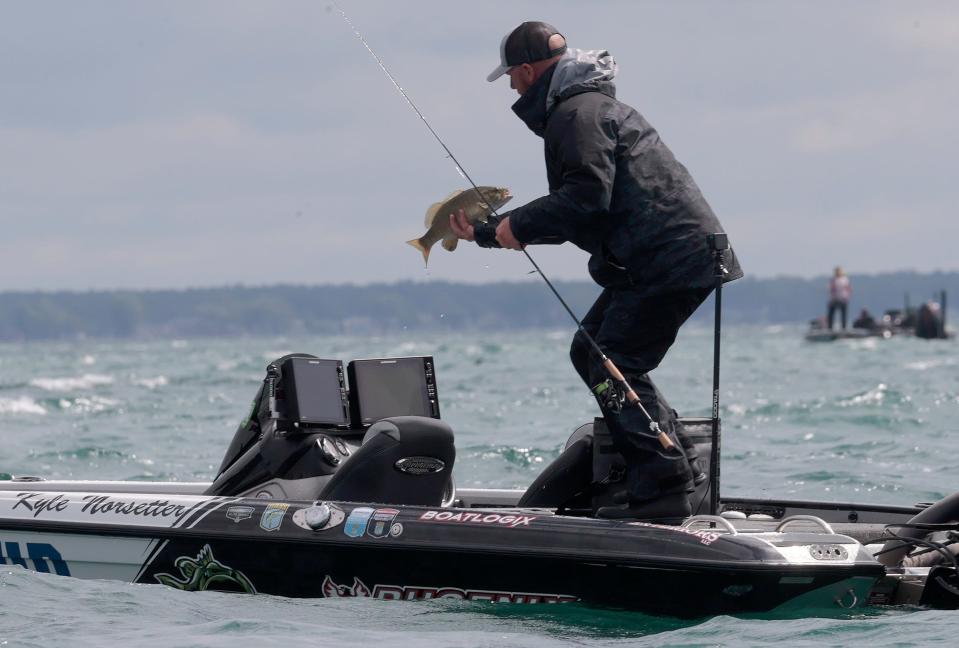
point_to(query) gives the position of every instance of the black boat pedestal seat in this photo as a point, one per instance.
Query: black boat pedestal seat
(399, 460)
(589, 474)
(402, 460)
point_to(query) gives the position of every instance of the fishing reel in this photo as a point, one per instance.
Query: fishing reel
(611, 395)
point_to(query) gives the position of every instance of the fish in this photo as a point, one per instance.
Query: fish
(438, 216)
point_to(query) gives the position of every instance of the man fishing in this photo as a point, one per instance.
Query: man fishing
(617, 192)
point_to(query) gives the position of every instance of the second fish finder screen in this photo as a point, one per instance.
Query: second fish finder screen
(389, 387)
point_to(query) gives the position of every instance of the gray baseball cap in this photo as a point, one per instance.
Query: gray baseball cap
(527, 43)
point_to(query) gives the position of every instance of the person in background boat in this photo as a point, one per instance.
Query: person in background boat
(929, 324)
(617, 192)
(839, 292)
(865, 320)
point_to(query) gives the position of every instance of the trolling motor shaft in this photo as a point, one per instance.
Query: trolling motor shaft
(630, 394)
(718, 243)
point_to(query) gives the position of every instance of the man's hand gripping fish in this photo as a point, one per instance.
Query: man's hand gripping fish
(438, 215)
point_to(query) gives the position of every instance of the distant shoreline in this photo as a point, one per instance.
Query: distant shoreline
(407, 306)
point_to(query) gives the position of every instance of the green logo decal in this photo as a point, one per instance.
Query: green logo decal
(197, 574)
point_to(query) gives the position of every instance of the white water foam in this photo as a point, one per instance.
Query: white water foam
(152, 383)
(872, 397)
(21, 405)
(925, 365)
(92, 404)
(737, 409)
(86, 381)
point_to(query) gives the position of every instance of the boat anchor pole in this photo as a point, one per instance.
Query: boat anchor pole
(718, 243)
(614, 372)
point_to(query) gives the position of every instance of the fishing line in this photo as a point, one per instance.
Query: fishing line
(629, 394)
(396, 85)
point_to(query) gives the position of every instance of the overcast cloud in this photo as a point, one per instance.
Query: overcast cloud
(205, 143)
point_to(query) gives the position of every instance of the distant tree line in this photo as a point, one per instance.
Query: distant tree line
(385, 308)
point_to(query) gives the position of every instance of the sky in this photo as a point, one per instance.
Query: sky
(206, 143)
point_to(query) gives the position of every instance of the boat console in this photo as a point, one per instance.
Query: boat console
(311, 435)
(372, 433)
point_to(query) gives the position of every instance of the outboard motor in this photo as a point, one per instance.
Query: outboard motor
(293, 447)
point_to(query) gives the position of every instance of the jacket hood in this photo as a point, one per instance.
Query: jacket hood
(577, 71)
(581, 71)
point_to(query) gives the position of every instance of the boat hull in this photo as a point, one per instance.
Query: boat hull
(410, 553)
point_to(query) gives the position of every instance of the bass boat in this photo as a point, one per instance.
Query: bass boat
(321, 495)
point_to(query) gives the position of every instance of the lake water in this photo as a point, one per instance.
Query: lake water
(870, 420)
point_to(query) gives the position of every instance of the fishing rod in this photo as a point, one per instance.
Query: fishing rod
(613, 400)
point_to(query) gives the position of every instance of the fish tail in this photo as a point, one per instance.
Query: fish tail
(418, 244)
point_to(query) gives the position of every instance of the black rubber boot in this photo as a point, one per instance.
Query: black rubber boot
(699, 475)
(668, 509)
(689, 449)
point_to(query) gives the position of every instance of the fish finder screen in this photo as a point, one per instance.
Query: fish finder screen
(319, 391)
(392, 387)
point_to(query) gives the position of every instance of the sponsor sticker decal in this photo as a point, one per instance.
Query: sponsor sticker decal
(198, 574)
(44, 557)
(415, 593)
(320, 516)
(382, 522)
(140, 510)
(705, 536)
(356, 523)
(272, 516)
(332, 590)
(48, 505)
(511, 521)
(419, 465)
(239, 513)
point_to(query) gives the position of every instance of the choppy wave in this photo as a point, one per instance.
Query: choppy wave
(20, 405)
(152, 383)
(889, 403)
(70, 384)
(874, 396)
(934, 363)
(516, 456)
(270, 356)
(84, 404)
(86, 452)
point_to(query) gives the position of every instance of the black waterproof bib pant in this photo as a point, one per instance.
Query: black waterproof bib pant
(636, 332)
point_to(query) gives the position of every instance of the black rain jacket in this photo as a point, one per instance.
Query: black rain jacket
(615, 190)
